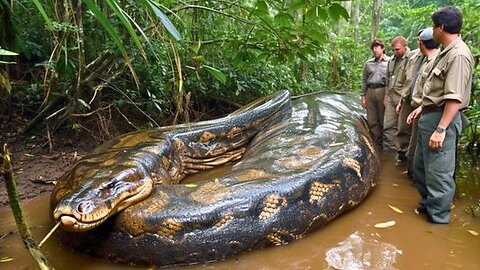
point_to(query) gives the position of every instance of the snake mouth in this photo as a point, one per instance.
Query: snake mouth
(71, 223)
(75, 221)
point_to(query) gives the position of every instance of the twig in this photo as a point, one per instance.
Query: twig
(18, 213)
(43, 181)
(126, 119)
(49, 234)
(133, 103)
(4, 235)
(92, 112)
(50, 145)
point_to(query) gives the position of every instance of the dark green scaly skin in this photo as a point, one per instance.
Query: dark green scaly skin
(295, 177)
(124, 170)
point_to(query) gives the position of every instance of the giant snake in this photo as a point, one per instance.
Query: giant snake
(298, 164)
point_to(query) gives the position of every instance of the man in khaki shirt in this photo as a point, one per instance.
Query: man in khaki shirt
(446, 91)
(395, 69)
(404, 108)
(412, 96)
(374, 79)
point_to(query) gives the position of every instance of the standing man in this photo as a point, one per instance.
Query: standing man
(446, 92)
(396, 66)
(429, 50)
(374, 79)
(404, 107)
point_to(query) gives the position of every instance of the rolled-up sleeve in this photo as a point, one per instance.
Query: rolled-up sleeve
(457, 80)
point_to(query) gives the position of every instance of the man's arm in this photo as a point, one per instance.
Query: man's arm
(364, 79)
(364, 86)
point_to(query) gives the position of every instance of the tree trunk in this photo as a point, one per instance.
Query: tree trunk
(341, 25)
(375, 17)
(356, 21)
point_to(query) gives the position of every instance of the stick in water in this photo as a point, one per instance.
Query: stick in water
(49, 233)
(17, 210)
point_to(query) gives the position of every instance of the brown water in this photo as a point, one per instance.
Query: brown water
(412, 243)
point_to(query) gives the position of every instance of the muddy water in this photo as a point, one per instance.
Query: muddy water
(351, 241)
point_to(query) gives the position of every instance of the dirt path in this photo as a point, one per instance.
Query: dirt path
(35, 166)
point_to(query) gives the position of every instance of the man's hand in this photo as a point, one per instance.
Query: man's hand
(399, 107)
(414, 115)
(436, 140)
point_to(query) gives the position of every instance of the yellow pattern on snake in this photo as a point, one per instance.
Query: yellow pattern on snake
(298, 164)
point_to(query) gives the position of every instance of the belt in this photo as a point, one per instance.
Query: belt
(431, 108)
(375, 85)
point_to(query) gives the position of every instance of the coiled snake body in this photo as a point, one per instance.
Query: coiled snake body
(301, 166)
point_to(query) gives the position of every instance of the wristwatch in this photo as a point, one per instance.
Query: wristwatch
(440, 130)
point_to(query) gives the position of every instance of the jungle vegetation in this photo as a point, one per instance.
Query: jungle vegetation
(152, 62)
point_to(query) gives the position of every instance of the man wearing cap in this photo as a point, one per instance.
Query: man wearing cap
(404, 108)
(373, 89)
(395, 69)
(429, 48)
(427, 51)
(445, 92)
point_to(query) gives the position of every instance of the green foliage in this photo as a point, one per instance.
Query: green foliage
(217, 74)
(4, 52)
(471, 35)
(155, 94)
(43, 13)
(4, 80)
(155, 7)
(166, 57)
(405, 20)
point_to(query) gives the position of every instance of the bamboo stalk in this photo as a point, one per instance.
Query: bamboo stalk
(22, 226)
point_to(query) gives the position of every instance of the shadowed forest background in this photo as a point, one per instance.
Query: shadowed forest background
(105, 67)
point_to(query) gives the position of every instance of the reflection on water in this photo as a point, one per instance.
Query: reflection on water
(357, 253)
(468, 176)
(422, 245)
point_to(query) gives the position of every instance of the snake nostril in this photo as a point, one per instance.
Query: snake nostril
(85, 207)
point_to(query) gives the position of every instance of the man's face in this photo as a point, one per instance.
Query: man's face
(377, 52)
(399, 49)
(437, 32)
(422, 48)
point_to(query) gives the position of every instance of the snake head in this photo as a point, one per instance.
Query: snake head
(87, 204)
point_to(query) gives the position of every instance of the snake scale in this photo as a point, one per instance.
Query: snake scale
(299, 164)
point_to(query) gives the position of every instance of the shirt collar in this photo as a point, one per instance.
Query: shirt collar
(433, 55)
(383, 58)
(451, 45)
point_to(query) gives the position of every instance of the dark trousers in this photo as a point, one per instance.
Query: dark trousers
(411, 147)
(375, 111)
(434, 170)
(404, 129)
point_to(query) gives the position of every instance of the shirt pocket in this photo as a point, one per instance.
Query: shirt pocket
(434, 82)
(438, 79)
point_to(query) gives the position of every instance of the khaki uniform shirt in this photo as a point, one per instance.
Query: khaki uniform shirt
(451, 76)
(374, 73)
(426, 67)
(411, 68)
(395, 69)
